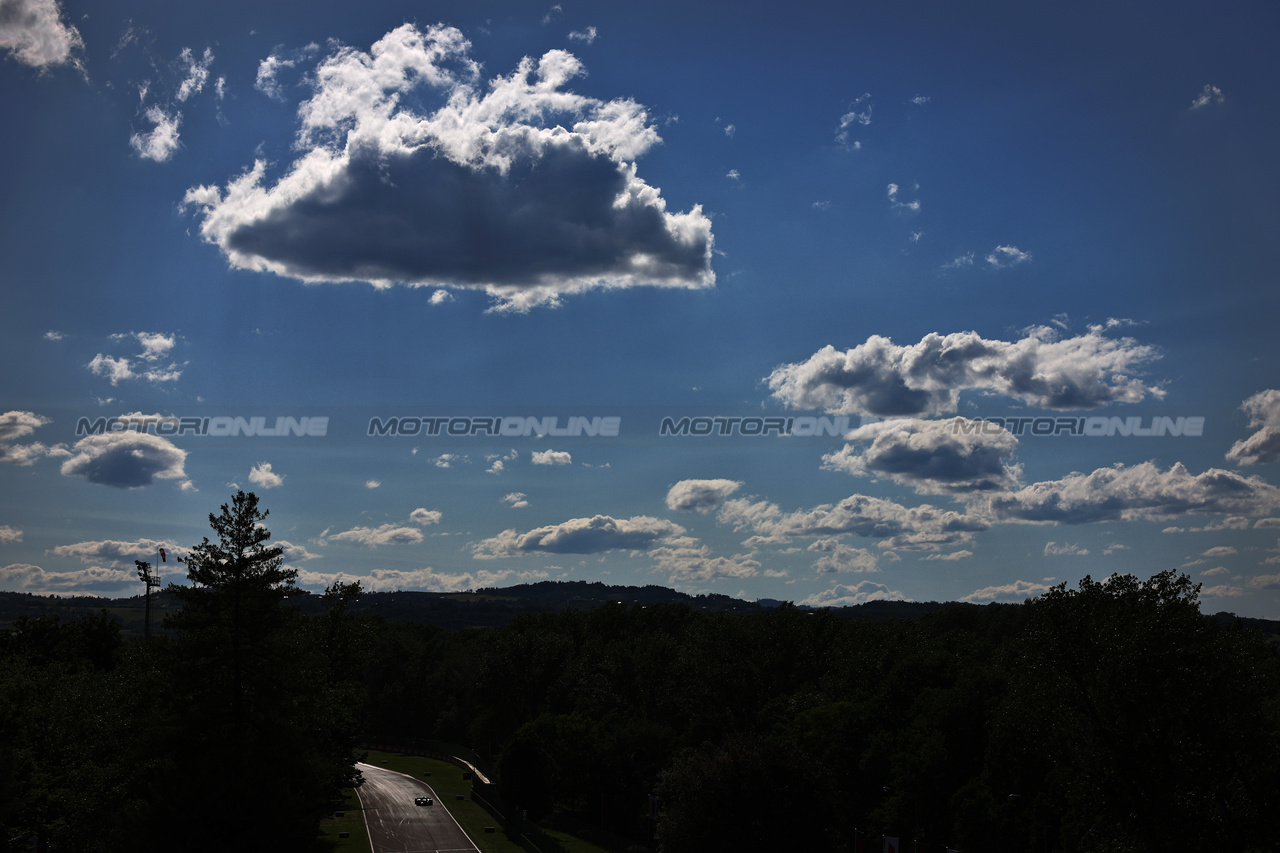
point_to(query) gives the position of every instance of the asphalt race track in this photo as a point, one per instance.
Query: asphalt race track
(396, 825)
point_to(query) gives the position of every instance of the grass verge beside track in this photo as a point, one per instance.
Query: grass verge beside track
(351, 822)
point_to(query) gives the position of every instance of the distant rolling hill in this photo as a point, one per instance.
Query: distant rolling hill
(482, 608)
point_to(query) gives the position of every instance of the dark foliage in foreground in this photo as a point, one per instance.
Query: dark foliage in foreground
(1113, 716)
(234, 733)
(1109, 717)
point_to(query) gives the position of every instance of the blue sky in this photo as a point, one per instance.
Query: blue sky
(1014, 264)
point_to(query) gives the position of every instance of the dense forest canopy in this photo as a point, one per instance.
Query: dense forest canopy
(1112, 715)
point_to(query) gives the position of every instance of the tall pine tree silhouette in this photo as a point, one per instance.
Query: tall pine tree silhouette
(241, 658)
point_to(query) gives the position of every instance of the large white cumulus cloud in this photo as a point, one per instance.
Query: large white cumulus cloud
(1042, 369)
(410, 170)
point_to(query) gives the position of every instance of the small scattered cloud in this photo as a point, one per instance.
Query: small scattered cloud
(704, 496)
(552, 457)
(848, 595)
(595, 535)
(999, 258)
(373, 537)
(1235, 522)
(269, 70)
(1210, 94)
(857, 115)
(197, 73)
(15, 425)
(1064, 549)
(952, 557)
(516, 500)
(372, 484)
(293, 553)
(152, 363)
(120, 552)
(9, 535)
(263, 477)
(1003, 257)
(162, 140)
(587, 36)
(685, 560)
(498, 462)
(425, 517)
(894, 191)
(1015, 592)
(1263, 447)
(156, 346)
(115, 369)
(1269, 582)
(839, 558)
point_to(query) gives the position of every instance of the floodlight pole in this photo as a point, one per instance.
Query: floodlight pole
(149, 580)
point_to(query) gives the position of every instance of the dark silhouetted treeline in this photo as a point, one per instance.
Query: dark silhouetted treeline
(1112, 716)
(232, 730)
(482, 608)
